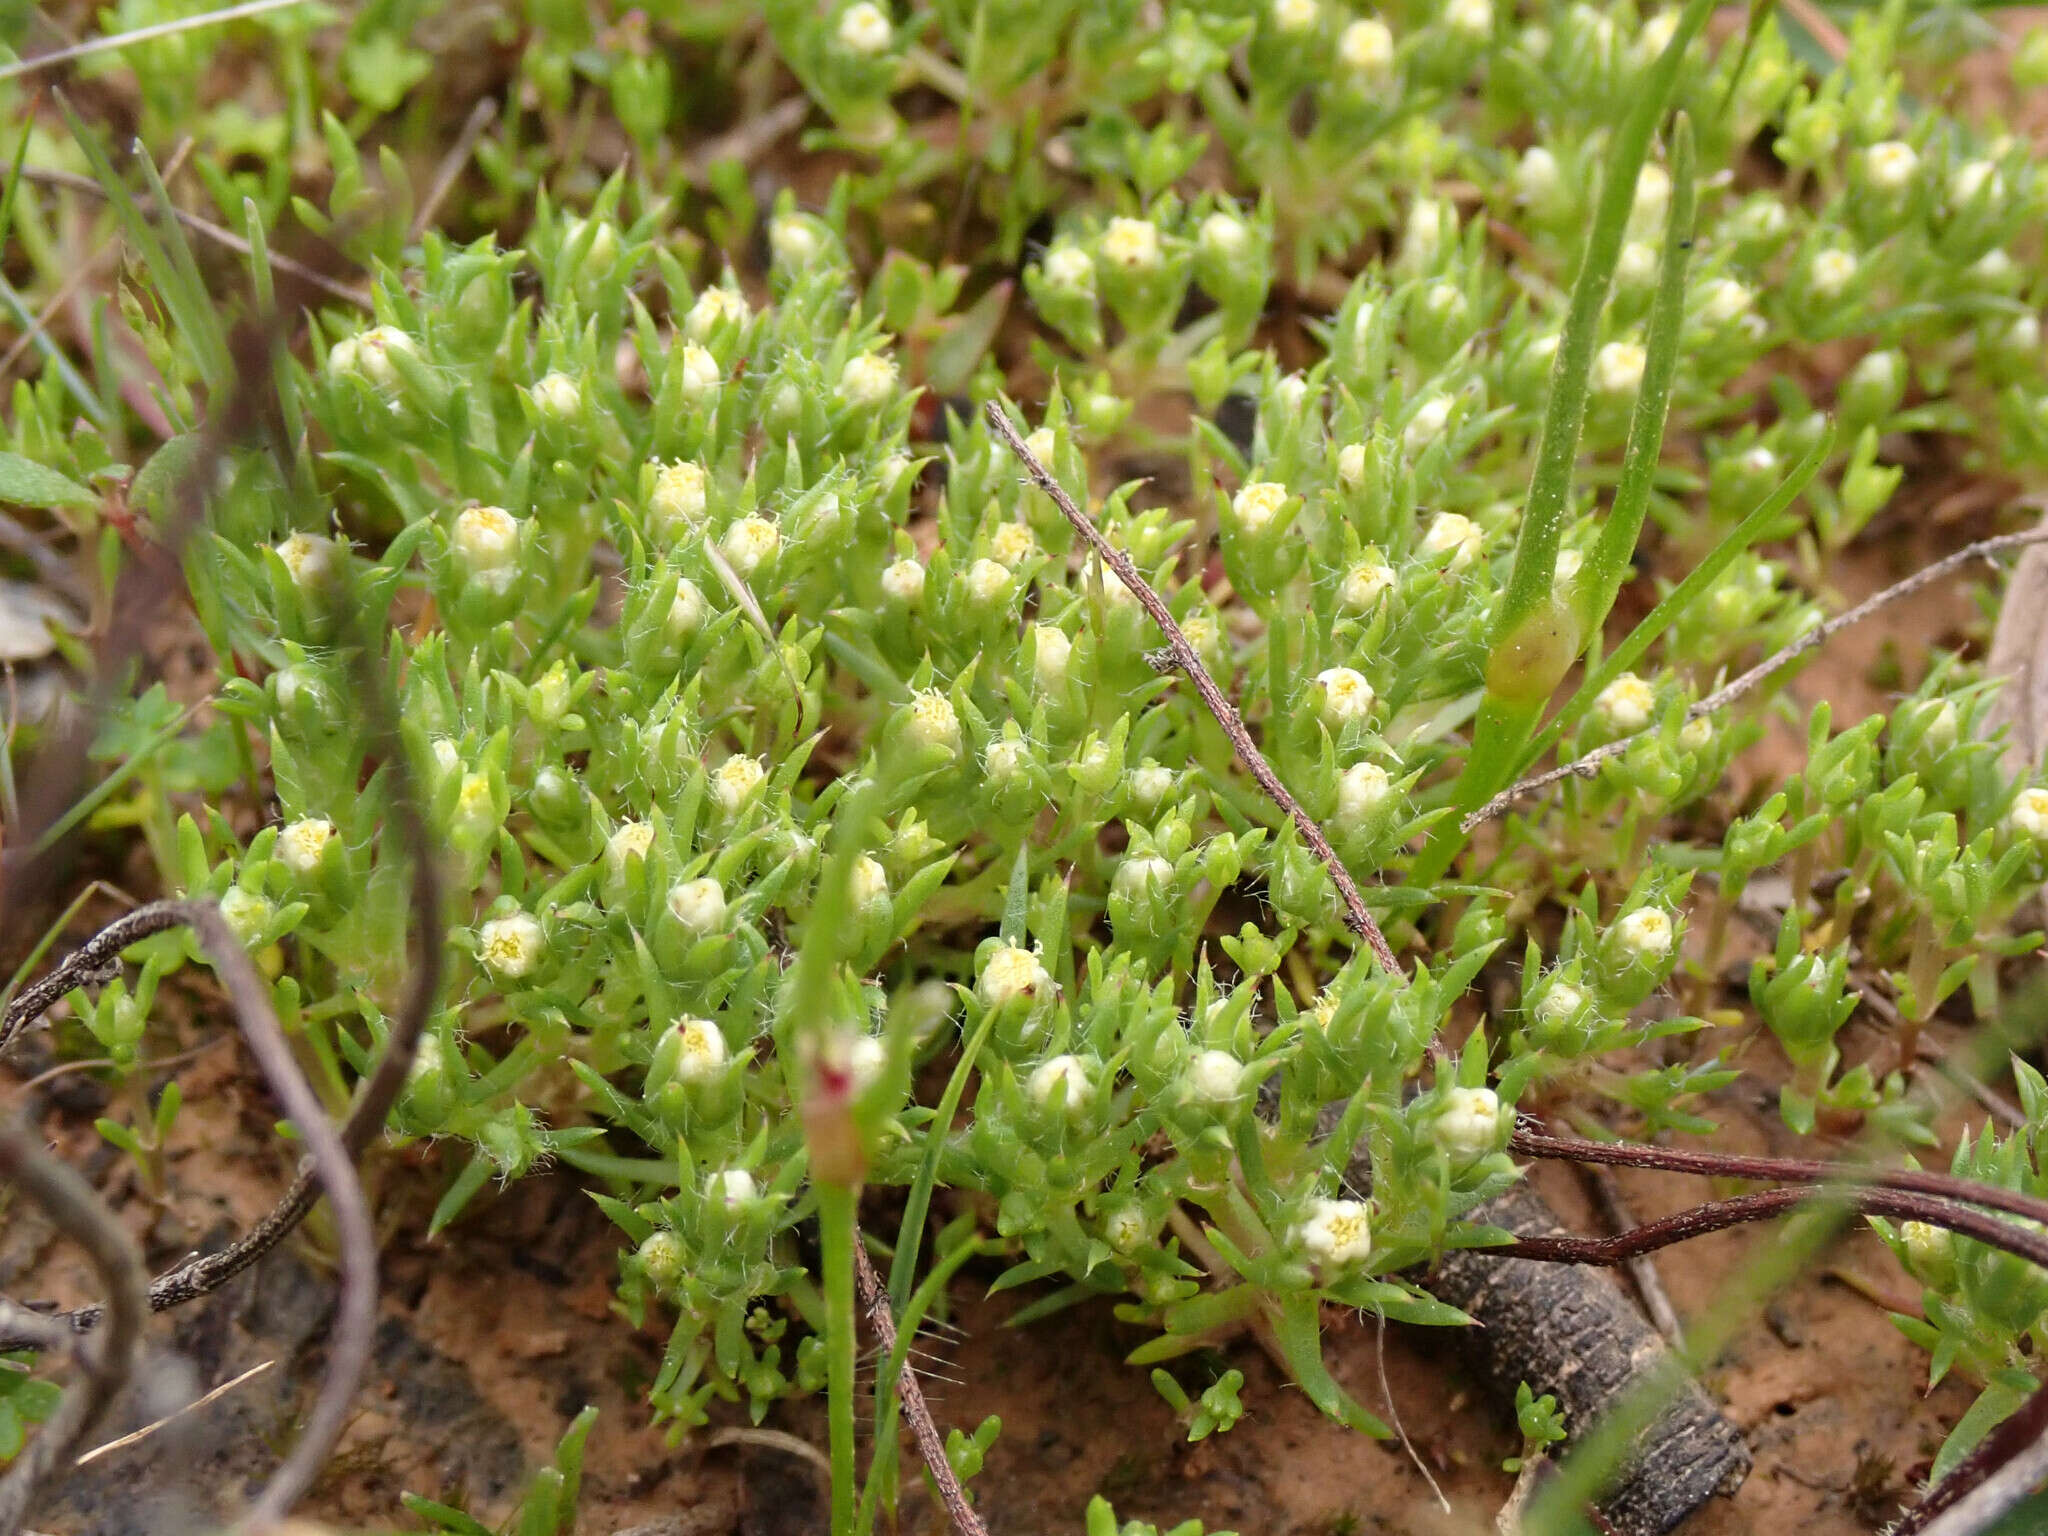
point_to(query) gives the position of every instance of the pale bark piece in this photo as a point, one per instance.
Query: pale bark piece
(1568, 1330)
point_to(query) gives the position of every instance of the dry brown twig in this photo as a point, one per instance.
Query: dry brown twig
(874, 1297)
(105, 1361)
(1188, 661)
(1586, 766)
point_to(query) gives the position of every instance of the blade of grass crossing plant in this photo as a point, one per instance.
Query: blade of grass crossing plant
(910, 1235)
(177, 280)
(1698, 581)
(54, 358)
(13, 186)
(1534, 637)
(1608, 568)
(264, 284)
(836, 1238)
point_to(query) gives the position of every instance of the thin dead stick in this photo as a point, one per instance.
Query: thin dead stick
(355, 1324)
(95, 961)
(2006, 1465)
(119, 40)
(219, 234)
(481, 116)
(1786, 1170)
(1587, 766)
(1189, 662)
(875, 1298)
(774, 1439)
(171, 1418)
(1719, 1215)
(105, 1362)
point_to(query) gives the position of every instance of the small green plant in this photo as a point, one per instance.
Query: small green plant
(788, 751)
(1540, 1422)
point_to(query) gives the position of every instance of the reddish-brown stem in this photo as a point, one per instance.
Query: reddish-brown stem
(1719, 1215)
(2000, 1471)
(1189, 662)
(1784, 1170)
(874, 1296)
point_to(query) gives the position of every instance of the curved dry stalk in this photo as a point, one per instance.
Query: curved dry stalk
(2007, 1465)
(1787, 1170)
(119, 40)
(874, 1297)
(1587, 766)
(356, 1309)
(105, 1361)
(1719, 1215)
(1187, 660)
(95, 961)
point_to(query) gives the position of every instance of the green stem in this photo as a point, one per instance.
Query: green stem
(836, 1236)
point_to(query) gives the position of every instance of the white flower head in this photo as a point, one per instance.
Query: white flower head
(1618, 368)
(1043, 443)
(1454, 534)
(1538, 179)
(1150, 784)
(1929, 1248)
(687, 609)
(1626, 704)
(661, 1256)
(1656, 35)
(679, 498)
(1831, 271)
(373, 352)
(1141, 876)
(630, 840)
(1653, 194)
(1060, 1083)
(903, 582)
(1694, 735)
(1366, 583)
(1891, 166)
(1363, 789)
(1295, 17)
(1007, 758)
(1560, 1004)
(793, 240)
(1012, 973)
(1347, 696)
(700, 1049)
(245, 912)
(1569, 563)
(750, 544)
(734, 781)
(1424, 233)
(1011, 545)
(2029, 815)
(868, 380)
(1351, 465)
(1472, 18)
(302, 844)
(864, 29)
(701, 374)
(1257, 505)
(731, 1188)
(1224, 234)
(486, 540)
(1132, 244)
(1724, 301)
(1069, 267)
(1366, 48)
(988, 582)
(1214, 1077)
(1975, 179)
(1428, 422)
(1645, 933)
(557, 397)
(699, 905)
(934, 723)
(711, 307)
(1336, 1232)
(1468, 1126)
(1126, 1228)
(512, 945)
(1636, 266)
(311, 560)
